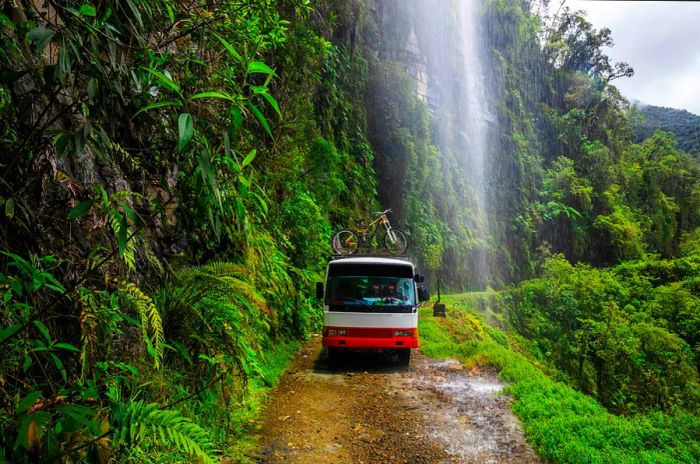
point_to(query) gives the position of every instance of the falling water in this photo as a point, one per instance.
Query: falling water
(473, 147)
(446, 58)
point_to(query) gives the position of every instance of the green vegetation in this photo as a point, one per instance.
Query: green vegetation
(172, 172)
(625, 335)
(585, 190)
(685, 126)
(171, 176)
(562, 424)
(195, 349)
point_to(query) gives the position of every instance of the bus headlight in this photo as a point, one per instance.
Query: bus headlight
(403, 333)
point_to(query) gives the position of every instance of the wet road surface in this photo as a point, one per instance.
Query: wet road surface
(370, 410)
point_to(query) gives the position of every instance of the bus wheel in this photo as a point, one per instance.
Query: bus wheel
(334, 357)
(404, 356)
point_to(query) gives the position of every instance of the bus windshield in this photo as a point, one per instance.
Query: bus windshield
(371, 294)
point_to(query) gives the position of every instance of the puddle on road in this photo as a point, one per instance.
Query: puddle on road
(470, 386)
(446, 363)
(467, 414)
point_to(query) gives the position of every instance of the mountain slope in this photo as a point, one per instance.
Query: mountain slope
(683, 124)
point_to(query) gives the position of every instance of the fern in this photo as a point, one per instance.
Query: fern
(150, 320)
(151, 258)
(226, 281)
(127, 248)
(272, 274)
(218, 304)
(97, 253)
(117, 208)
(144, 425)
(214, 269)
(124, 158)
(88, 328)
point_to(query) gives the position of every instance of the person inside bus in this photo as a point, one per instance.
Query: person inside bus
(376, 290)
(394, 292)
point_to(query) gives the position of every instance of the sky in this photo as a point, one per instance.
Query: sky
(660, 40)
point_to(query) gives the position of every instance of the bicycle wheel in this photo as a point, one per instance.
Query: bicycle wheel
(344, 242)
(396, 242)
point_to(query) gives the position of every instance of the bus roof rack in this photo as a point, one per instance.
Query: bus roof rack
(363, 252)
(369, 255)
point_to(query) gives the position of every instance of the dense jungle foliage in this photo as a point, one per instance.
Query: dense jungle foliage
(171, 174)
(626, 335)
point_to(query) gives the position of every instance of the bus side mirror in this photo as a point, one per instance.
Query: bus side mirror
(423, 294)
(419, 278)
(319, 290)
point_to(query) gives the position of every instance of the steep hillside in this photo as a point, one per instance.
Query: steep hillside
(560, 171)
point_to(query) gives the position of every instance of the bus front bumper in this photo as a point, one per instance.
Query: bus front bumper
(370, 338)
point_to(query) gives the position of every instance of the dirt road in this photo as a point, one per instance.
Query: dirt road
(372, 411)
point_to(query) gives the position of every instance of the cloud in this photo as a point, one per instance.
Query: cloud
(660, 41)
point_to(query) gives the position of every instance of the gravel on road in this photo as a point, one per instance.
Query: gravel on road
(371, 410)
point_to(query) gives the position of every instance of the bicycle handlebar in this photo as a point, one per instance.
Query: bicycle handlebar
(381, 213)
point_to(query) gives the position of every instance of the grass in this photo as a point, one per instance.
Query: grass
(562, 424)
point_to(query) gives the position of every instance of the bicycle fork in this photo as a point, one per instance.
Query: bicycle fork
(389, 230)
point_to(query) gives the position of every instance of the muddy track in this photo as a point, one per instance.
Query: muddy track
(372, 411)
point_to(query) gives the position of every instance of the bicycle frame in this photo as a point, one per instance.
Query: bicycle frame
(363, 234)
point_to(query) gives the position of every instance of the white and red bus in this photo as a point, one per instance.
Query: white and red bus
(371, 303)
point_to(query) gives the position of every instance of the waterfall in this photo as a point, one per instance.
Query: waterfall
(473, 147)
(446, 56)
